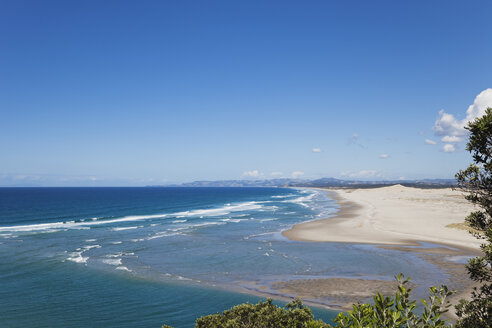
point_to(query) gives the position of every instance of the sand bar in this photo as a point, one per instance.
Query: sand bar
(394, 215)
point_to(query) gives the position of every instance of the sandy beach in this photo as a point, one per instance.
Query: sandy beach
(394, 215)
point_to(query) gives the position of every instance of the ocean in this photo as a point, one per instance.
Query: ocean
(143, 257)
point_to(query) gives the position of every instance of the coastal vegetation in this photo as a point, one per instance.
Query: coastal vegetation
(400, 310)
(476, 180)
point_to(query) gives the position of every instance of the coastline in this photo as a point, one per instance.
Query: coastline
(393, 215)
(419, 216)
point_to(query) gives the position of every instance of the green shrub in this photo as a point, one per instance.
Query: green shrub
(398, 311)
(264, 315)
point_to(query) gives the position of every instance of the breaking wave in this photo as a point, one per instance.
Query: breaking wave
(86, 224)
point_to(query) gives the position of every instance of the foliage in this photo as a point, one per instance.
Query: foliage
(398, 311)
(264, 315)
(477, 181)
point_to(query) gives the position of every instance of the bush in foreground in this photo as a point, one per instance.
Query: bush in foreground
(397, 311)
(264, 314)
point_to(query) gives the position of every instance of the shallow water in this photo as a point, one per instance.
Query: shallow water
(141, 257)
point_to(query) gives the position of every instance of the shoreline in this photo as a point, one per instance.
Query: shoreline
(363, 219)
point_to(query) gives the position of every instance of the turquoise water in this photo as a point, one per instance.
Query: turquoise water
(141, 257)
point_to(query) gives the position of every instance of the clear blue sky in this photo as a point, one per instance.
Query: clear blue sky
(151, 92)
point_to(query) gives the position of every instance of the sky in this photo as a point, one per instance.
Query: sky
(103, 93)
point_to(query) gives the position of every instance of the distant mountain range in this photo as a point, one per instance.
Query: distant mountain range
(323, 182)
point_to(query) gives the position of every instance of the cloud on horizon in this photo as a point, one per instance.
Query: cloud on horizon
(316, 150)
(50, 180)
(384, 156)
(251, 174)
(297, 174)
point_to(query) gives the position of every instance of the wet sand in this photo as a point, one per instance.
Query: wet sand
(394, 218)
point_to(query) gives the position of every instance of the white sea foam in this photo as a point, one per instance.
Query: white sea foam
(125, 228)
(179, 221)
(90, 240)
(114, 255)
(177, 229)
(233, 220)
(266, 220)
(77, 255)
(206, 224)
(88, 247)
(239, 215)
(226, 209)
(221, 211)
(268, 208)
(161, 235)
(116, 261)
(116, 242)
(282, 196)
(301, 200)
(123, 268)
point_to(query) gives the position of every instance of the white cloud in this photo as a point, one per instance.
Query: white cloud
(383, 156)
(276, 174)
(448, 125)
(297, 174)
(450, 139)
(316, 150)
(430, 142)
(448, 148)
(251, 174)
(450, 128)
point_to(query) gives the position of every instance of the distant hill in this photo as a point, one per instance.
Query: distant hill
(319, 183)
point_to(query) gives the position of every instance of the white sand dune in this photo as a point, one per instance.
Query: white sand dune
(395, 215)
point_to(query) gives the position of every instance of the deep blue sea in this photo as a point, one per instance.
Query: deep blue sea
(142, 257)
